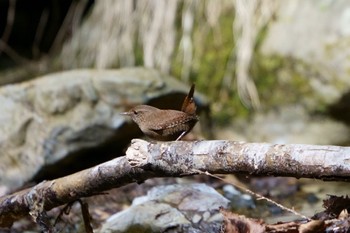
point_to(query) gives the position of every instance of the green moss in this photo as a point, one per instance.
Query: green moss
(212, 48)
(279, 80)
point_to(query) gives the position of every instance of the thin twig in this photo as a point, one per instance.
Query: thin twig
(4, 47)
(9, 24)
(63, 29)
(256, 195)
(78, 14)
(84, 210)
(39, 33)
(12, 53)
(86, 216)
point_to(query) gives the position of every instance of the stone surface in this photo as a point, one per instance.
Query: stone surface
(316, 34)
(310, 103)
(288, 124)
(53, 122)
(171, 208)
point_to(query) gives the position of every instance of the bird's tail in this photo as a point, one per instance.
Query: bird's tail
(189, 106)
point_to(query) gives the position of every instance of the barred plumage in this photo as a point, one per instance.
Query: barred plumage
(166, 125)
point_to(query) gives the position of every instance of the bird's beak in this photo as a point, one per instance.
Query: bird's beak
(125, 113)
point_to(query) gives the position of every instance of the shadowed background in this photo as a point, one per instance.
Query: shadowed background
(272, 71)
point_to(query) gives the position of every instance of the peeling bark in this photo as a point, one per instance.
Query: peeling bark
(230, 157)
(49, 194)
(145, 160)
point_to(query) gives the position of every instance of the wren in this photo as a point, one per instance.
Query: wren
(166, 124)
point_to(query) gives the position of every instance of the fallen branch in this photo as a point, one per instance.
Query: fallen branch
(146, 160)
(230, 157)
(49, 194)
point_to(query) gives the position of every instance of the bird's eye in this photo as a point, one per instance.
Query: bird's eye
(135, 112)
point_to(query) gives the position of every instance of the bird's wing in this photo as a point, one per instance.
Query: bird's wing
(171, 119)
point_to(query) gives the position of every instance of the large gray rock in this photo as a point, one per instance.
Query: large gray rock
(171, 208)
(310, 95)
(316, 34)
(61, 116)
(288, 124)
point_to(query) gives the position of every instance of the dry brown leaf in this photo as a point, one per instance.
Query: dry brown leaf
(234, 223)
(313, 226)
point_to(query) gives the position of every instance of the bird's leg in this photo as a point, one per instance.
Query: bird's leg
(181, 135)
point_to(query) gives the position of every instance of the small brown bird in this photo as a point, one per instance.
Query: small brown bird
(166, 124)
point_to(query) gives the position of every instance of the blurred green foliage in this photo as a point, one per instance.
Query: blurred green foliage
(212, 50)
(277, 78)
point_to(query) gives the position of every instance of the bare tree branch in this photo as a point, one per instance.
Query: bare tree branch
(145, 160)
(50, 194)
(230, 157)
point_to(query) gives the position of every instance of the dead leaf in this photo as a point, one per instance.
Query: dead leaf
(234, 223)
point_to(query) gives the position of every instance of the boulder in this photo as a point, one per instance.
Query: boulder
(68, 121)
(171, 208)
(319, 44)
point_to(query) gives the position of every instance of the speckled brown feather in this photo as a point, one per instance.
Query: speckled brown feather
(166, 125)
